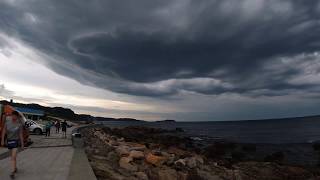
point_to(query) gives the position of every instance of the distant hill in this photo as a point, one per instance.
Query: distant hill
(65, 113)
(167, 121)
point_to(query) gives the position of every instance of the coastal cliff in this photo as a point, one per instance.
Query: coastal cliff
(156, 154)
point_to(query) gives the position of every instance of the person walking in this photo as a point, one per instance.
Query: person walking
(57, 125)
(13, 128)
(64, 128)
(48, 128)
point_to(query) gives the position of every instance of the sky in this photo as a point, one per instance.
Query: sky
(189, 60)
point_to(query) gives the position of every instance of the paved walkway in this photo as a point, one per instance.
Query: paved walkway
(46, 159)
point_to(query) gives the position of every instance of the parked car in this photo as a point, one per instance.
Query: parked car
(35, 127)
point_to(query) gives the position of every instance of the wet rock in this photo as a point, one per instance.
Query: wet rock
(136, 154)
(155, 160)
(124, 163)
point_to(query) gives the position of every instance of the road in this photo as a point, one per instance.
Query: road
(46, 159)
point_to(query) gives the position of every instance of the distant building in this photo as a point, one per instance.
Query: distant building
(29, 113)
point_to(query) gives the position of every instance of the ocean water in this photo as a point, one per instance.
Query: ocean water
(299, 130)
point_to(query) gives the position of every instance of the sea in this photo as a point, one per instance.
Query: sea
(275, 131)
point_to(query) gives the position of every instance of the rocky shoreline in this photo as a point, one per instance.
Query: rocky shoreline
(134, 153)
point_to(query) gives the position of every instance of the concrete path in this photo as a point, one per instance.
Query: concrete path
(46, 159)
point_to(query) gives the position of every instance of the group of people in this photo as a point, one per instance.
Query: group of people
(57, 124)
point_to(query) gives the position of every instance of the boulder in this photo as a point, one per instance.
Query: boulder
(181, 163)
(136, 154)
(122, 151)
(124, 163)
(191, 162)
(155, 160)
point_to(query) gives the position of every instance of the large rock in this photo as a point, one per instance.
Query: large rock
(155, 160)
(136, 154)
(193, 162)
(124, 163)
(123, 151)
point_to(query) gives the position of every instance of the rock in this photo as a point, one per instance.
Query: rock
(171, 159)
(267, 170)
(124, 163)
(178, 152)
(112, 156)
(99, 157)
(155, 160)
(103, 169)
(206, 175)
(183, 176)
(191, 162)
(122, 151)
(136, 154)
(194, 161)
(113, 143)
(218, 150)
(180, 164)
(157, 152)
(141, 175)
(167, 174)
(136, 146)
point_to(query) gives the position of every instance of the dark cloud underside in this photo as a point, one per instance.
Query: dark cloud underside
(160, 48)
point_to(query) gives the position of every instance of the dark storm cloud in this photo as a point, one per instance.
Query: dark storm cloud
(159, 48)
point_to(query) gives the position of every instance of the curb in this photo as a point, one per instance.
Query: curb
(80, 167)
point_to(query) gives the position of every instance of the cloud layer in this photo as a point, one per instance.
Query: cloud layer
(165, 48)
